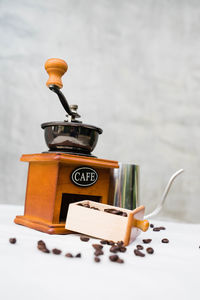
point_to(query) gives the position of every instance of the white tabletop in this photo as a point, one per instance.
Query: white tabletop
(172, 272)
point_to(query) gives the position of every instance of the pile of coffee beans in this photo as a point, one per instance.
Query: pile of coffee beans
(98, 248)
(115, 247)
(149, 250)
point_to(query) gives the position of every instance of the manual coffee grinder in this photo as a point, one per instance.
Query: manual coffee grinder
(67, 172)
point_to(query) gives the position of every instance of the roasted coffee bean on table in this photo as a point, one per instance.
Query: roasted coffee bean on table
(12, 240)
(56, 251)
(147, 241)
(78, 255)
(98, 252)
(156, 229)
(151, 225)
(97, 246)
(165, 241)
(84, 238)
(139, 247)
(114, 257)
(42, 247)
(103, 242)
(138, 253)
(41, 243)
(122, 249)
(97, 259)
(110, 243)
(150, 250)
(68, 255)
(114, 249)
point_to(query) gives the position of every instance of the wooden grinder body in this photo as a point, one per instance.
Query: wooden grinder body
(49, 182)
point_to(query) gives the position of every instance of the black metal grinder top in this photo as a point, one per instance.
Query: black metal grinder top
(70, 136)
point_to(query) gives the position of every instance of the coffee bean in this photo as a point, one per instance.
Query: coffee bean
(97, 246)
(114, 249)
(84, 238)
(120, 261)
(147, 241)
(114, 257)
(138, 253)
(68, 255)
(78, 255)
(41, 247)
(165, 241)
(40, 242)
(97, 259)
(98, 252)
(122, 249)
(80, 204)
(150, 250)
(56, 251)
(86, 205)
(120, 243)
(156, 229)
(110, 243)
(115, 212)
(140, 247)
(111, 210)
(162, 228)
(151, 225)
(103, 242)
(12, 240)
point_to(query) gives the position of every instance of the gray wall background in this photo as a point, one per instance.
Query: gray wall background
(134, 70)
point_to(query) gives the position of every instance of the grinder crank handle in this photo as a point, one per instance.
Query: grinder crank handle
(56, 68)
(141, 224)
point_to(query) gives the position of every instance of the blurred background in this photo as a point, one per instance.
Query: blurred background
(134, 71)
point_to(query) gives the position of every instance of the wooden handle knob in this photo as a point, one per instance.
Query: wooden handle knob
(56, 68)
(141, 224)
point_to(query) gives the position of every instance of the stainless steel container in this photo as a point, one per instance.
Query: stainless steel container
(125, 185)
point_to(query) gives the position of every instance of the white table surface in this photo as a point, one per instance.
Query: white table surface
(172, 272)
